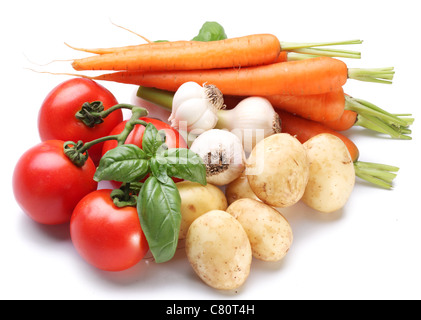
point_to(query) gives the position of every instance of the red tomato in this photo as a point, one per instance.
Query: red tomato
(48, 186)
(106, 236)
(56, 119)
(173, 138)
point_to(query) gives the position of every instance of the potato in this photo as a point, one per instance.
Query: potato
(278, 170)
(332, 173)
(269, 233)
(196, 200)
(219, 250)
(239, 189)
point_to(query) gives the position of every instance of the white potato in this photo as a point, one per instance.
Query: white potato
(196, 200)
(332, 173)
(278, 169)
(219, 250)
(269, 233)
(239, 189)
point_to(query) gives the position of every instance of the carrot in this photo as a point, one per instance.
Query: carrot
(158, 45)
(304, 77)
(283, 56)
(114, 49)
(304, 130)
(340, 112)
(345, 122)
(244, 51)
(378, 174)
(324, 107)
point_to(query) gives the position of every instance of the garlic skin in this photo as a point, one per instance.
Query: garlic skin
(252, 120)
(195, 107)
(223, 155)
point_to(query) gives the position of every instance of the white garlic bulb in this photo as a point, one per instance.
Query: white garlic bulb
(195, 107)
(252, 120)
(223, 155)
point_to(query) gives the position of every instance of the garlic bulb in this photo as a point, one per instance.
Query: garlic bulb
(252, 120)
(223, 154)
(195, 107)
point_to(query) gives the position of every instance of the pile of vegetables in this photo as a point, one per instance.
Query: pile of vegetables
(254, 126)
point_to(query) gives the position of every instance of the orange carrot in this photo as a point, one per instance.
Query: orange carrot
(293, 56)
(283, 56)
(244, 51)
(303, 77)
(345, 122)
(186, 55)
(320, 107)
(116, 49)
(304, 130)
(159, 45)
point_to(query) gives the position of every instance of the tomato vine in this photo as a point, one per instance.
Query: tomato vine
(157, 199)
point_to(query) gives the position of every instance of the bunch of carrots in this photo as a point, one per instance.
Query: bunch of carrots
(304, 83)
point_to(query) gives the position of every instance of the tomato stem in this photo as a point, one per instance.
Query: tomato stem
(137, 112)
(89, 144)
(90, 113)
(124, 196)
(72, 151)
(78, 152)
(93, 113)
(105, 113)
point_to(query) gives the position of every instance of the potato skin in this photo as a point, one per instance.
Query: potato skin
(269, 233)
(332, 173)
(196, 200)
(278, 170)
(239, 189)
(219, 250)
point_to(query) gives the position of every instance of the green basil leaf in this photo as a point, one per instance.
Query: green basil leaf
(152, 140)
(159, 213)
(125, 163)
(158, 165)
(185, 164)
(211, 31)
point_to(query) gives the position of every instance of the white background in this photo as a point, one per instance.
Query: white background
(368, 250)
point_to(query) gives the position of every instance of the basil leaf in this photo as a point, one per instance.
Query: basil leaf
(158, 165)
(125, 163)
(211, 31)
(185, 164)
(159, 213)
(152, 140)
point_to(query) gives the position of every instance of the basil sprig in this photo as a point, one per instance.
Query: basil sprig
(158, 201)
